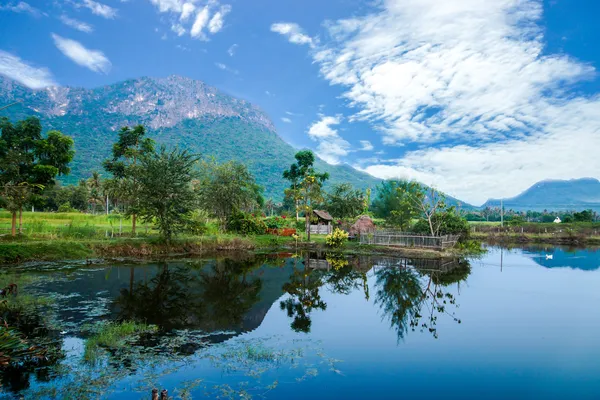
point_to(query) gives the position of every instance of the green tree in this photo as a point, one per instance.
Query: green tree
(394, 202)
(131, 147)
(583, 216)
(166, 194)
(29, 162)
(343, 201)
(311, 193)
(305, 161)
(96, 191)
(227, 188)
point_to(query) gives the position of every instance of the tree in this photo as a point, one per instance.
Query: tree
(583, 216)
(394, 203)
(227, 188)
(166, 194)
(429, 202)
(343, 201)
(305, 160)
(29, 162)
(127, 152)
(96, 190)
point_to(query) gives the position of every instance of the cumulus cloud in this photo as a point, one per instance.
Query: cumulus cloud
(22, 7)
(200, 23)
(14, 68)
(76, 24)
(331, 147)
(94, 60)
(471, 83)
(286, 120)
(293, 32)
(216, 22)
(100, 9)
(200, 17)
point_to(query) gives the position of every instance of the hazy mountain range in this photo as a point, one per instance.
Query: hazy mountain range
(179, 111)
(574, 194)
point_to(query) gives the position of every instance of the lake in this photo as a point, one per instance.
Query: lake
(520, 323)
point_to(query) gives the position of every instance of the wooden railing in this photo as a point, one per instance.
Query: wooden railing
(405, 239)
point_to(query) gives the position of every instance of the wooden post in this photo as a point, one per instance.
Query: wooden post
(164, 395)
(154, 394)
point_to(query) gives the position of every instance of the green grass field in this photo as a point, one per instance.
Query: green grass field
(44, 225)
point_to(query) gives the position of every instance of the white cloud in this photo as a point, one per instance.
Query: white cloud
(286, 120)
(186, 11)
(76, 24)
(227, 68)
(471, 77)
(14, 68)
(323, 127)
(331, 146)
(216, 22)
(293, 114)
(100, 9)
(200, 23)
(22, 7)
(366, 145)
(178, 29)
(293, 32)
(95, 60)
(200, 17)
(231, 50)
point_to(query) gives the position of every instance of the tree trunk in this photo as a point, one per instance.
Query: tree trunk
(297, 212)
(21, 220)
(430, 225)
(133, 220)
(14, 224)
(307, 224)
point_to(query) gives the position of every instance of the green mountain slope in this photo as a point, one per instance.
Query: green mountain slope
(574, 194)
(177, 112)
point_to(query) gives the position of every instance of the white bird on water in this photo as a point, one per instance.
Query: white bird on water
(549, 256)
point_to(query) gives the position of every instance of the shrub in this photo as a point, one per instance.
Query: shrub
(196, 223)
(66, 208)
(449, 222)
(275, 223)
(246, 224)
(336, 239)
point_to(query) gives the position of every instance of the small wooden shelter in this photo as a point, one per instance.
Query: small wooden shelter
(323, 225)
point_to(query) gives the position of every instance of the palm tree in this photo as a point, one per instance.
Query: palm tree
(96, 191)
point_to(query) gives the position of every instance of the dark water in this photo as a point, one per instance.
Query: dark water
(522, 323)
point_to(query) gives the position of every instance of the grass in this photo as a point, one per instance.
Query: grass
(113, 336)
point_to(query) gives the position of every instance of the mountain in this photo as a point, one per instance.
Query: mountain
(557, 195)
(176, 111)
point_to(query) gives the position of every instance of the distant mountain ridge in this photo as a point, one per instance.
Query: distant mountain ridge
(176, 111)
(557, 195)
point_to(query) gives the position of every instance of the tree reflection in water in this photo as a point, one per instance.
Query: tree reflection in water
(413, 298)
(213, 296)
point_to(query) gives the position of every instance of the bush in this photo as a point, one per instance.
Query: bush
(66, 208)
(336, 239)
(196, 224)
(276, 222)
(246, 224)
(450, 223)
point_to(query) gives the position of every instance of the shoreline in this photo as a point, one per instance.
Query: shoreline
(504, 238)
(147, 248)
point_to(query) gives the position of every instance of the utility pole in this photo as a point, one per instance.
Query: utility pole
(502, 212)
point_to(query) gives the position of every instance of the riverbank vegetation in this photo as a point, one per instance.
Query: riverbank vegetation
(151, 201)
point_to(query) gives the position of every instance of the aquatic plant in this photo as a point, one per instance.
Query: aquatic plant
(113, 335)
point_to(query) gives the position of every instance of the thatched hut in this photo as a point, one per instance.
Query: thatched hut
(323, 223)
(364, 224)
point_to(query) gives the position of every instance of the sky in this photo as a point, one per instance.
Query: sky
(479, 98)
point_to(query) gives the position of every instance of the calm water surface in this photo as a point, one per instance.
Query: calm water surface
(521, 323)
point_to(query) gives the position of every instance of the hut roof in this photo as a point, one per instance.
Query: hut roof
(323, 215)
(363, 225)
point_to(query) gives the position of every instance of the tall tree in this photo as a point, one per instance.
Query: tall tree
(166, 194)
(394, 203)
(96, 190)
(227, 188)
(131, 146)
(305, 160)
(29, 162)
(343, 201)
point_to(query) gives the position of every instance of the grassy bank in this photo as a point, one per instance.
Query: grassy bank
(567, 234)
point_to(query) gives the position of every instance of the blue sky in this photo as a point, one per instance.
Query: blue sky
(480, 98)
